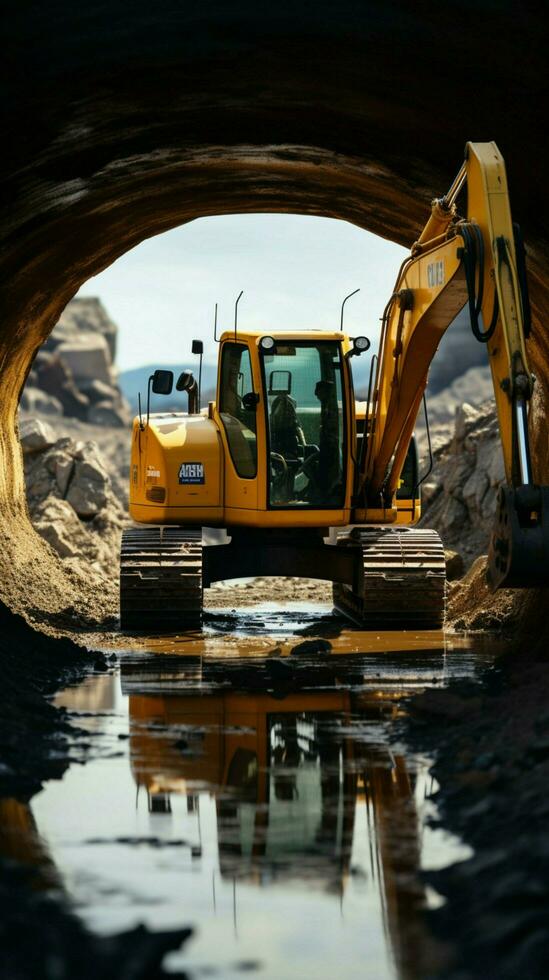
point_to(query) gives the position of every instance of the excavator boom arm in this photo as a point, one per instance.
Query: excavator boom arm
(476, 260)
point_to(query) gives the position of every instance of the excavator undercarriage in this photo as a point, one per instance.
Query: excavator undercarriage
(403, 581)
(383, 578)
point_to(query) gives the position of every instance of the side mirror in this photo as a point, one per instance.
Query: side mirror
(197, 347)
(162, 382)
(250, 401)
(185, 381)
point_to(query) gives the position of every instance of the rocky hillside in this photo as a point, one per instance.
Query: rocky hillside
(473, 387)
(76, 501)
(459, 502)
(73, 373)
(459, 497)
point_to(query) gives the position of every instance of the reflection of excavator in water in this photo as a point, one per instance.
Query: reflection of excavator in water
(288, 777)
(284, 453)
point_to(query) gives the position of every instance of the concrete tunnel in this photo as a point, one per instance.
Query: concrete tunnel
(123, 121)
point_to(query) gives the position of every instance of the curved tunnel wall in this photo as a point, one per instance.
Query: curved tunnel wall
(125, 120)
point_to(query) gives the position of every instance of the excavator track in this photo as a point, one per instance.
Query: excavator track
(404, 579)
(160, 579)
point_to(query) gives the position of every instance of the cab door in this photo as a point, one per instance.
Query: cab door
(238, 418)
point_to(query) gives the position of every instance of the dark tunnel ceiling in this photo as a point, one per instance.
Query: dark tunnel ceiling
(124, 120)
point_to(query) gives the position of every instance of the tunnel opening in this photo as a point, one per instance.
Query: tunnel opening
(88, 231)
(143, 205)
(297, 271)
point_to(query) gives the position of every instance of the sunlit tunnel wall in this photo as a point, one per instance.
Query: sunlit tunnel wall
(118, 128)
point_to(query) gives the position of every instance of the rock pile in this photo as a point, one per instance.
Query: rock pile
(73, 374)
(459, 500)
(71, 499)
(474, 386)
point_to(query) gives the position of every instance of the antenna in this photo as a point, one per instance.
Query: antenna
(216, 338)
(149, 396)
(236, 312)
(198, 348)
(343, 304)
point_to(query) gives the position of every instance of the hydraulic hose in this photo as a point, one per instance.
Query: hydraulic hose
(473, 256)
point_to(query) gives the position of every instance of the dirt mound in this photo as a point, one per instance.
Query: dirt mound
(459, 502)
(62, 572)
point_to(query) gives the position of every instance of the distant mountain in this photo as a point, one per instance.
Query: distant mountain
(134, 381)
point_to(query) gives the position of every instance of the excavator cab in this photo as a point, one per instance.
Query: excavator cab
(287, 417)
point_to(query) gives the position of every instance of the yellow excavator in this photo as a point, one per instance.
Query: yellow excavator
(305, 480)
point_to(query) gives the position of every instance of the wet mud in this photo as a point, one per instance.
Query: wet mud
(268, 817)
(277, 782)
(40, 935)
(490, 745)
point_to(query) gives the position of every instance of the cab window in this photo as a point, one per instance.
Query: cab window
(305, 424)
(239, 422)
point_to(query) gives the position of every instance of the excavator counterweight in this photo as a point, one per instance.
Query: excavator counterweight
(299, 478)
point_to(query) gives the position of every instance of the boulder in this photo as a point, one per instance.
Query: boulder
(37, 402)
(64, 468)
(473, 387)
(88, 358)
(35, 436)
(455, 566)
(98, 391)
(109, 413)
(466, 416)
(87, 492)
(75, 367)
(55, 378)
(73, 506)
(85, 315)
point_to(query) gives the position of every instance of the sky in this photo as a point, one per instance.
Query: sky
(295, 271)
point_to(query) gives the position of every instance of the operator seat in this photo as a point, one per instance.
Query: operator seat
(287, 440)
(287, 437)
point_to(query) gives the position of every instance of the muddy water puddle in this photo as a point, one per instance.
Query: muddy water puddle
(250, 785)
